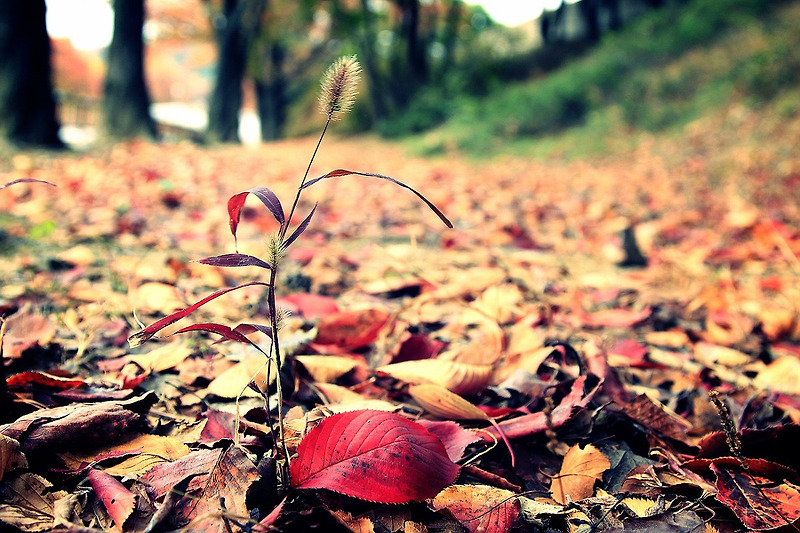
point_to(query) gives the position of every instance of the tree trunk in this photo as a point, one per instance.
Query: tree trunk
(126, 107)
(239, 26)
(272, 97)
(27, 104)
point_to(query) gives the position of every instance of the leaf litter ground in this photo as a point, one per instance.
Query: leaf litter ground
(544, 366)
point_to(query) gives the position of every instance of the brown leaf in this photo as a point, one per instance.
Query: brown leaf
(26, 502)
(579, 471)
(219, 492)
(74, 427)
(10, 456)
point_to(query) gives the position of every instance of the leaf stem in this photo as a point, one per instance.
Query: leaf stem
(305, 177)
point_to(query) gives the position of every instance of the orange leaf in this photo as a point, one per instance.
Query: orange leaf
(580, 469)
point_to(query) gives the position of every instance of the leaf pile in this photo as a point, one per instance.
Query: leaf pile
(544, 366)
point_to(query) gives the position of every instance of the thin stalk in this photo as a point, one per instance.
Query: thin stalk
(305, 177)
(276, 350)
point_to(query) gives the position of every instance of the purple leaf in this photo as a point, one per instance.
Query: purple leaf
(247, 329)
(299, 229)
(267, 197)
(26, 180)
(219, 329)
(235, 260)
(142, 336)
(344, 172)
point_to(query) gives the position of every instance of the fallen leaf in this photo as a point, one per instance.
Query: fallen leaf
(118, 500)
(748, 500)
(479, 507)
(11, 457)
(375, 456)
(579, 471)
(782, 375)
(461, 378)
(328, 368)
(349, 330)
(27, 500)
(26, 329)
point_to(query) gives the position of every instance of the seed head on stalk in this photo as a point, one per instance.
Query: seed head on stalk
(339, 87)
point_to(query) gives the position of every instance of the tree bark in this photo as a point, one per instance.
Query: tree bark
(126, 107)
(27, 103)
(238, 28)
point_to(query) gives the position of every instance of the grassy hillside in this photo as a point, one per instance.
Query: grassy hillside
(672, 67)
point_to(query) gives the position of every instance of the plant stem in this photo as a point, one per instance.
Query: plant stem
(305, 177)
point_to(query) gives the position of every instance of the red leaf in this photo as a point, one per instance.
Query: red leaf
(454, 437)
(267, 197)
(343, 172)
(349, 330)
(375, 456)
(118, 500)
(142, 336)
(737, 491)
(309, 305)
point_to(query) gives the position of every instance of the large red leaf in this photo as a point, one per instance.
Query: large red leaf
(375, 456)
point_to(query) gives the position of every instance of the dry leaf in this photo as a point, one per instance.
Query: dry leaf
(579, 471)
(460, 378)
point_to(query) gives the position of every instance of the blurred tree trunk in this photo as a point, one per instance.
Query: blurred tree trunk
(271, 95)
(590, 12)
(27, 104)
(237, 28)
(126, 107)
(368, 36)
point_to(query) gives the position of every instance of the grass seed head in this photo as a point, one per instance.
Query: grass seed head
(339, 87)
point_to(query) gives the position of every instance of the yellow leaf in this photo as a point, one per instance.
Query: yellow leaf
(639, 506)
(460, 378)
(162, 358)
(442, 403)
(327, 368)
(152, 450)
(781, 375)
(233, 381)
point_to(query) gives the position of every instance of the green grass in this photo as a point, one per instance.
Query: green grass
(665, 70)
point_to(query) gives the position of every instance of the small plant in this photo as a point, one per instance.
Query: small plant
(339, 88)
